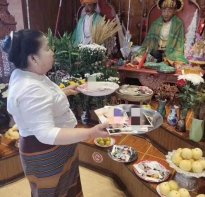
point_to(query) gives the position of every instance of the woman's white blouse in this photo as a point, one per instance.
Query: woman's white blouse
(39, 107)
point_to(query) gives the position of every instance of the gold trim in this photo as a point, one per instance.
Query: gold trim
(178, 10)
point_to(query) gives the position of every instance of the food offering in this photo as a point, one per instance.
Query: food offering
(172, 189)
(13, 133)
(135, 90)
(151, 171)
(188, 161)
(122, 153)
(104, 142)
(98, 88)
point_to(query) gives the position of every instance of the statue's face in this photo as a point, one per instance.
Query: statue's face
(90, 8)
(168, 13)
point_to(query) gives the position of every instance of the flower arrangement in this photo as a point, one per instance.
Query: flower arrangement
(167, 91)
(187, 85)
(74, 65)
(3, 95)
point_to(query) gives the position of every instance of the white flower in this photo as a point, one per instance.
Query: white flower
(86, 75)
(2, 86)
(113, 79)
(5, 94)
(96, 75)
(193, 78)
(92, 47)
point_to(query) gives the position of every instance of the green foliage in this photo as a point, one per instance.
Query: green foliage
(186, 96)
(65, 55)
(80, 61)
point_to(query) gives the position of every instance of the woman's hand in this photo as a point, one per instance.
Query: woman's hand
(71, 90)
(99, 131)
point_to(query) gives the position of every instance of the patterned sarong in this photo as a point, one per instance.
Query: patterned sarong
(52, 171)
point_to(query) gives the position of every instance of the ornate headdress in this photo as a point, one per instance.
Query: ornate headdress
(175, 4)
(88, 1)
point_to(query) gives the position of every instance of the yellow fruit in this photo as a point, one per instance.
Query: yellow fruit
(197, 153)
(184, 193)
(104, 139)
(179, 150)
(174, 193)
(108, 143)
(164, 188)
(173, 185)
(98, 140)
(185, 165)
(15, 128)
(102, 143)
(192, 161)
(202, 162)
(176, 159)
(186, 153)
(201, 195)
(197, 167)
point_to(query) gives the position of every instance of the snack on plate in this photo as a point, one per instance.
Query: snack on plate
(104, 141)
(123, 153)
(171, 189)
(189, 160)
(151, 171)
(13, 133)
(174, 193)
(184, 193)
(173, 185)
(164, 188)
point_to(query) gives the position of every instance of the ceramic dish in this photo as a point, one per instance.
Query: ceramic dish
(97, 142)
(123, 153)
(98, 88)
(151, 171)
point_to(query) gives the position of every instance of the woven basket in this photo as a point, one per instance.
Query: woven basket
(132, 98)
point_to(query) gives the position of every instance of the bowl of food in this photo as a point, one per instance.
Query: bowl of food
(104, 142)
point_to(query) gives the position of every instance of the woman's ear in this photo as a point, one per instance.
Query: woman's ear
(32, 59)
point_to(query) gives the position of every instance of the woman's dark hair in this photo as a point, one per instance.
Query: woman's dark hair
(24, 43)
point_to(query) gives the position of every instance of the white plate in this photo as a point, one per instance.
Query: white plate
(143, 174)
(112, 143)
(158, 190)
(98, 88)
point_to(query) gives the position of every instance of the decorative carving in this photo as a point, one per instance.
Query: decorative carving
(202, 7)
(152, 81)
(147, 78)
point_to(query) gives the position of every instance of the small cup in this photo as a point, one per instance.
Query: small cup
(187, 70)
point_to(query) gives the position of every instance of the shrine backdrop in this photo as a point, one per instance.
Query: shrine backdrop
(43, 14)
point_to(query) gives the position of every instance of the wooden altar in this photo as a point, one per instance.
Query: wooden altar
(147, 77)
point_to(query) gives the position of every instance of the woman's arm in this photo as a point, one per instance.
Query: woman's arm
(70, 90)
(70, 136)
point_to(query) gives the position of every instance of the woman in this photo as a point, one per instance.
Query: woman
(48, 137)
